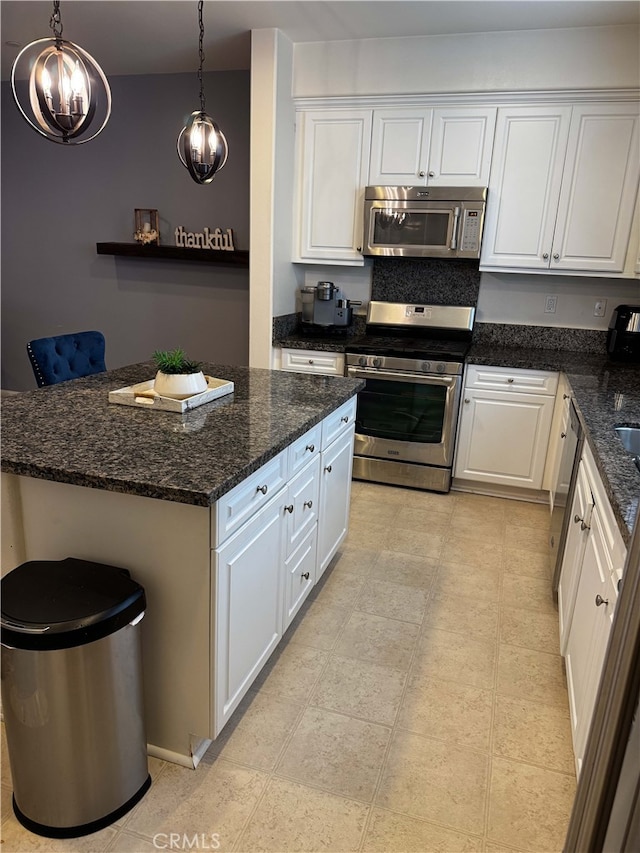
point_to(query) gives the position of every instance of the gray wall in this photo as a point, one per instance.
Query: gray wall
(58, 202)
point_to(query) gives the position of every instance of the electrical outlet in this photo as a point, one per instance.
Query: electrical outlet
(599, 308)
(550, 303)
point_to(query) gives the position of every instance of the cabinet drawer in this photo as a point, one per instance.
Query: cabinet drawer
(234, 508)
(304, 449)
(312, 361)
(301, 504)
(506, 379)
(300, 572)
(337, 422)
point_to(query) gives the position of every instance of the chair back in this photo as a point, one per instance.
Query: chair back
(65, 357)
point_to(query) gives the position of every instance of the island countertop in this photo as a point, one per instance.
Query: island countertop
(70, 433)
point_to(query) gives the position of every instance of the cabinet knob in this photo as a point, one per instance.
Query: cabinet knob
(565, 396)
(600, 600)
(358, 248)
(563, 435)
(556, 256)
(308, 503)
(421, 174)
(345, 419)
(328, 469)
(310, 447)
(289, 508)
(432, 174)
(545, 257)
(262, 489)
(578, 520)
(310, 361)
(467, 400)
(305, 576)
(510, 380)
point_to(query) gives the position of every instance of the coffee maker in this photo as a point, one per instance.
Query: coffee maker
(323, 306)
(623, 337)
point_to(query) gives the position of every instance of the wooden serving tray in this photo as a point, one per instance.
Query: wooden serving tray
(143, 395)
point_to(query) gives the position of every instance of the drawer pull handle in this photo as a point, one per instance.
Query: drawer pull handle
(310, 447)
(308, 504)
(289, 508)
(600, 600)
(583, 526)
(345, 419)
(305, 576)
(328, 469)
(262, 489)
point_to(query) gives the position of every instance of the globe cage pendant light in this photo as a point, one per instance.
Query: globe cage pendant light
(202, 146)
(68, 93)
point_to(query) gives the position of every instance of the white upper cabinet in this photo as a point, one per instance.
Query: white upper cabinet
(599, 189)
(400, 147)
(461, 146)
(434, 147)
(563, 187)
(524, 188)
(333, 161)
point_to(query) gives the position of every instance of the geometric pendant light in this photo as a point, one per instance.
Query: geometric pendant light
(69, 100)
(202, 146)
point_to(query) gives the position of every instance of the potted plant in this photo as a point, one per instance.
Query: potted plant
(178, 377)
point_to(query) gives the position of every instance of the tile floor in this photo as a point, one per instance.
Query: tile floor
(417, 703)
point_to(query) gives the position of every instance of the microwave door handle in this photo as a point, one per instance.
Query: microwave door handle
(456, 219)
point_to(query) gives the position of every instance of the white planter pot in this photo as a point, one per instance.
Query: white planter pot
(179, 386)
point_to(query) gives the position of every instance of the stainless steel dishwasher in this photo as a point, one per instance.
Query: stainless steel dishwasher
(572, 439)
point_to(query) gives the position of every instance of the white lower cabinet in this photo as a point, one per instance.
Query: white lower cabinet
(312, 361)
(264, 570)
(594, 556)
(247, 606)
(335, 494)
(505, 420)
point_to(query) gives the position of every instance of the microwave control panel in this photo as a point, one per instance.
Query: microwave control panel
(471, 226)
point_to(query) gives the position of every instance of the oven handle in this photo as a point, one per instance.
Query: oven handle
(419, 378)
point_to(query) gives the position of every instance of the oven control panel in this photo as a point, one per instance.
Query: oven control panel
(373, 363)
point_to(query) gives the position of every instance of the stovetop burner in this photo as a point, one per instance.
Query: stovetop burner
(398, 330)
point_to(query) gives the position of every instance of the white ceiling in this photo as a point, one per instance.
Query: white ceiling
(161, 36)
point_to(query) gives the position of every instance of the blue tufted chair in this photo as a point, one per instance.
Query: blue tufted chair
(66, 357)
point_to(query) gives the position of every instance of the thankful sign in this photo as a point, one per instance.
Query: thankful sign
(218, 240)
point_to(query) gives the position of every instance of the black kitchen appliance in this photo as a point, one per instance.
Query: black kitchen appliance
(623, 337)
(412, 359)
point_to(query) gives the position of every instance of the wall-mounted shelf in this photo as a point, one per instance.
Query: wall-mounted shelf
(175, 253)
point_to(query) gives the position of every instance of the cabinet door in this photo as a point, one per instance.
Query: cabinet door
(461, 147)
(575, 544)
(335, 494)
(400, 147)
(588, 635)
(503, 438)
(334, 165)
(247, 603)
(599, 189)
(524, 187)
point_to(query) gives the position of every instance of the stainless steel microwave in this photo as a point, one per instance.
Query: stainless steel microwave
(424, 222)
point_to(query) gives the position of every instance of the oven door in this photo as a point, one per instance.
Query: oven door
(406, 417)
(411, 229)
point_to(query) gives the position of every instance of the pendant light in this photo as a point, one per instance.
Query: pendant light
(202, 147)
(68, 93)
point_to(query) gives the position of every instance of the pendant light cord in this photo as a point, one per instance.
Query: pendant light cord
(201, 50)
(55, 21)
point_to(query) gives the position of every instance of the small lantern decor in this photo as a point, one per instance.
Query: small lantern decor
(147, 227)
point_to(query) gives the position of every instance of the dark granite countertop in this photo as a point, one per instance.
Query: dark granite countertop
(70, 433)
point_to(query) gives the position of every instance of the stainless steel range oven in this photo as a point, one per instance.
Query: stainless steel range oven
(411, 359)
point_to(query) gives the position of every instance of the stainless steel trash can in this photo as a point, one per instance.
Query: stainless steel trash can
(72, 694)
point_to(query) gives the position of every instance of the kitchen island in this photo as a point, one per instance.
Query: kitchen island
(227, 514)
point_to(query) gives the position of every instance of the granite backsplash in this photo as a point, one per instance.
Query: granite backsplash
(540, 337)
(425, 280)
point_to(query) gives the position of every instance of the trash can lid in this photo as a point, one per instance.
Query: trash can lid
(57, 604)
